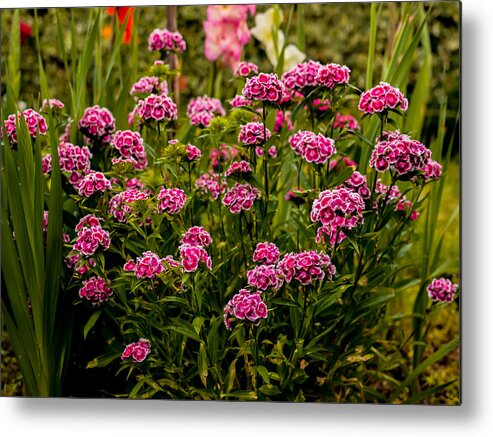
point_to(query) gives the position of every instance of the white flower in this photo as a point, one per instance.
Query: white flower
(292, 56)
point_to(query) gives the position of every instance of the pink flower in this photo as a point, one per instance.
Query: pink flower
(51, 104)
(264, 87)
(283, 119)
(265, 276)
(93, 181)
(149, 85)
(399, 152)
(357, 183)
(432, 170)
(252, 134)
(345, 122)
(331, 75)
(35, 124)
(223, 155)
(191, 255)
(382, 97)
(89, 239)
(311, 147)
(245, 306)
(334, 234)
(211, 183)
(156, 107)
(240, 198)
(238, 167)
(226, 32)
(81, 265)
(402, 204)
(239, 101)
(266, 253)
(201, 110)
(138, 350)
(196, 236)
(163, 39)
(302, 75)
(130, 145)
(171, 200)
(149, 265)
(193, 153)
(121, 204)
(97, 124)
(338, 208)
(245, 69)
(442, 290)
(306, 267)
(95, 290)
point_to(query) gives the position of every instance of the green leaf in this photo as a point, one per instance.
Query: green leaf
(91, 322)
(203, 366)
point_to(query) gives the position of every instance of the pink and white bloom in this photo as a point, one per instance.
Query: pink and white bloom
(196, 236)
(245, 69)
(331, 75)
(191, 255)
(264, 87)
(253, 134)
(211, 183)
(137, 350)
(92, 182)
(311, 147)
(36, 123)
(201, 110)
(306, 267)
(149, 85)
(156, 107)
(171, 200)
(97, 124)
(121, 205)
(240, 197)
(264, 276)
(442, 290)
(381, 98)
(95, 290)
(238, 168)
(193, 153)
(245, 306)
(163, 39)
(266, 253)
(345, 122)
(149, 265)
(89, 239)
(130, 145)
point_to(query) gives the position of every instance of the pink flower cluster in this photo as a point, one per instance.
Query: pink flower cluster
(97, 124)
(311, 147)
(238, 167)
(226, 32)
(345, 122)
(306, 267)
(95, 290)
(245, 306)
(149, 85)
(36, 123)
(137, 350)
(149, 265)
(271, 153)
(171, 200)
(239, 101)
(442, 290)
(245, 69)
(191, 255)
(163, 39)
(357, 183)
(331, 75)
(302, 75)
(120, 205)
(264, 87)
(156, 107)
(266, 253)
(196, 236)
(201, 110)
(72, 159)
(240, 197)
(51, 104)
(403, 204)
(399, 152)
(313, 74)
(131, 147)
(265, 276)
(91, 182)
(381, 98)
(338, 208)
(90, 236)
(252, 134)
(211, 183)
(224, 154)
(335, 235)
(432, 170)
(81, 265)
(193, 153)
(283, 119)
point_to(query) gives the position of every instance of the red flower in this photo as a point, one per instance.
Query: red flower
(25, 31)
(121, 13)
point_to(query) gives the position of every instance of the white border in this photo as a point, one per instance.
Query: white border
(59, 417)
